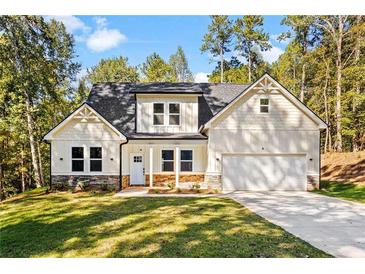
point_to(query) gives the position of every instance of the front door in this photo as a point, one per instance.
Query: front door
(136, 169)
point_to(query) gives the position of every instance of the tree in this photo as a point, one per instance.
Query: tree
(217, 40)
(250, 35)
(40, 55)
(180, 66)
(301, 33)
(113, 70)
(155, 69)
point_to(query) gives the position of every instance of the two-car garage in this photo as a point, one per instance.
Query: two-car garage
(259, 172)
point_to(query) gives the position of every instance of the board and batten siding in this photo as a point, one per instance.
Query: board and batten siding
(188, 113)
(243, 129)
(85, 134)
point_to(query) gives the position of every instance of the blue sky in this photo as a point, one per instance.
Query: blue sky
(136, 37)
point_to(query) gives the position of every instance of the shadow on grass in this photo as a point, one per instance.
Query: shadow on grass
(345, 190)
(84, 225)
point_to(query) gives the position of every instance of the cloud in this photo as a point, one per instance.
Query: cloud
(102, 38)
(81, 74)
(275, 38)
(272, 55)
(201, 77)
(105, 39)
(72, 23)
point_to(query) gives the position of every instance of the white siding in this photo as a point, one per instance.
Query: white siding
(188, 113)
(243, 129)
(85, 134)
(283, 114)
(199, 156)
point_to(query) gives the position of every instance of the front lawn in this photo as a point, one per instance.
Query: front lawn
(349, 191)
(100, 225)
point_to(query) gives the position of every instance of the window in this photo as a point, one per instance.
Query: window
(77, 159)
(174, 114)
(137, 159)
(95, 159)
(264, 105)
(167, 160)
(186, 160)
(158, 114)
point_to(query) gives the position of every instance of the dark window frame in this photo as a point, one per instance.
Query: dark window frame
(158, 114)
(77, 159)
(264, 105)
(187, 161)
(176, 114)
(96, 159)
(163, 161)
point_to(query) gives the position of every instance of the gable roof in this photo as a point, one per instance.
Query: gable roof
(49, 135)
(287, 93)
(116, 101)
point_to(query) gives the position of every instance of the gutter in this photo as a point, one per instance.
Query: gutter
(121, 164)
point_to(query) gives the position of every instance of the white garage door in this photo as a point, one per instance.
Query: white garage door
(264, 172)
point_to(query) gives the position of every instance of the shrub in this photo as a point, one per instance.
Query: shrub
(196, 186)
(104, 187)
(170, 185)
(178, 190)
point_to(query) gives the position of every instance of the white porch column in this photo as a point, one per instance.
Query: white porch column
(151, 166)
(177, 161)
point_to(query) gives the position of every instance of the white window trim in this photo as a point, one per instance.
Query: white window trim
(162, 161)
(84, 158)
(101, 159)
(268, 105)
(163, 114)
(192, 159)
(175, 114)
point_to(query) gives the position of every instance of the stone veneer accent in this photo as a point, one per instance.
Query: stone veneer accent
(213, 181)
(77, 182)
(125, 181)
(312, 182)
(163, 180)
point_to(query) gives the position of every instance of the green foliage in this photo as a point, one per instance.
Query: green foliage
(155, 69)
(113, 70)
(180, 66)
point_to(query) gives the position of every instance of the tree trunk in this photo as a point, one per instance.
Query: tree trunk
(30, 123)
(40, 164)
(249, 67)
(22, 167)
(338, 109)
(328, 136)
(302, 86)
(355, 138)
(221, 54)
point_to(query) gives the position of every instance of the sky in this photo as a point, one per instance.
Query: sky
(136, 37)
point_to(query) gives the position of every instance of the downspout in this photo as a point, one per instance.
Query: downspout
(121, 165)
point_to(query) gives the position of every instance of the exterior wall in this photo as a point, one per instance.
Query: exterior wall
(188, 113)
(199, 155)
(243, 129)
(85, 134)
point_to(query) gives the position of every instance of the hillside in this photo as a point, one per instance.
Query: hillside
(347, 166)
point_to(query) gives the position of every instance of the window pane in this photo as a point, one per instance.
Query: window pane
(168, 166)
(186, 166)
(77, 165)
(95, 165)
(168, 155)
(174, 108)
(186, 155)
(264, 102)
(158, 119)
(158, 108)
(78, 152)
(174, 119)
(264, 109)
(95, 152)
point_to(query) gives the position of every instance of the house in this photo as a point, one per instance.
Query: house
(223, 136)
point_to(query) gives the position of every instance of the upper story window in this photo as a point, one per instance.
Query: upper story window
(174, 114)
(77, 158)
(158, 114)
(264, 105)
(95, 159)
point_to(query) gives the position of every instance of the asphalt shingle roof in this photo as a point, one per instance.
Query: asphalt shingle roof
(116, 102)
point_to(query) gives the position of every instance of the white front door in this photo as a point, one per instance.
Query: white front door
(136, 169)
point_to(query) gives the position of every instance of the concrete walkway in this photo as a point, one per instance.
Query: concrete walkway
(332, 225)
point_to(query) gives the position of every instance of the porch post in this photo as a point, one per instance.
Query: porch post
(151, 166)
(177, 161)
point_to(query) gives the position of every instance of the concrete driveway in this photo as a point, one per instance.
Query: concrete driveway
(332, 225)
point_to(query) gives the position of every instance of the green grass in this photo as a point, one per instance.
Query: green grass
(349, 191)
(100, 225)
